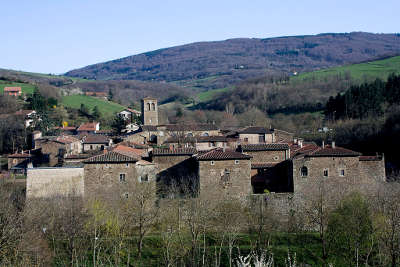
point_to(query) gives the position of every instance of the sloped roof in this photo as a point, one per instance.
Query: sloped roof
(111, 157)
(256, 130)
(222, 154)
(90, 126)
(129, 151)
(174, 152)
(20, 155)
(265, 147)
(12, 89)
(96, 139)
(329, 151)
(371, 158)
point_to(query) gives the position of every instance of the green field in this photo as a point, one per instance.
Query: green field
(26, 87)
(208, 95)
(359, 72)
(106, 108)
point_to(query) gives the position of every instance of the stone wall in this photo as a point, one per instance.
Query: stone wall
(92, 147)
(225, 176)
(373, 170)
(268, 156)
(254, 138)
(167, 161)
(52, 182)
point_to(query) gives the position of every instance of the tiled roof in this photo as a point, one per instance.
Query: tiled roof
(129, 151)
(265, 147)
(133, 111)
(174, 152)
(110, 157)
(329, 151)
(222, 154)
(65, 139)
(90, 126)
(191, 127)
(96, 139)
(256, 130)
(296, 150)
(263, 165)
(12, 89)
(68, 128)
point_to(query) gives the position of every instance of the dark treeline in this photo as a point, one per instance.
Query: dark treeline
(365, 100)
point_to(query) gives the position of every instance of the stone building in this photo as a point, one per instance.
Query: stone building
(224, 171)
(55, 148)
(114, 175)
(149, 111)
(18, 162)
(96, 142)
(89, 128)
(201, 143)
(256, 135)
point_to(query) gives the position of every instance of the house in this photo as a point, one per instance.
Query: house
(102, 95)
(13, 91)
(55, 148)
(95, 142)
(113, 176)
(66, 130)
(201, 143)
(256, 135)
(28, 116)
(18, 162)
(89, 128)
(130, 114)
(131, 151)
(224, 171)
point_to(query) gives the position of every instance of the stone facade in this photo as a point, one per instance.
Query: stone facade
(54, 182)
(231, 177)
(53, 151)
(268, 156)
(149, 111)
(246, 138)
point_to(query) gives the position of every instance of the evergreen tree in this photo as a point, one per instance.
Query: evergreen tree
(96, 113)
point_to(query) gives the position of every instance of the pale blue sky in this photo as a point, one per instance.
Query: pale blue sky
(54, 36)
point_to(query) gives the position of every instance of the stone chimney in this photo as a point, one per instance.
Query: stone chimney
(333, 144)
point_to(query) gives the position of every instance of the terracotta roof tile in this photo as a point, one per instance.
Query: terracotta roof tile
(111, 157)
(12, 89)
(329, 151)
(265, 147)
(90, 126)
(96, 139)
(221, 154)
(129, 151)
(65, 139)
(174, 152)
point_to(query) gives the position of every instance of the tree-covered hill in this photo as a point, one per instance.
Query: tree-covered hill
(223, 63)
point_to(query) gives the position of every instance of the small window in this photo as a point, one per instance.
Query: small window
(145, 178)
(153, 106)
(126, 195)
(276, 158)
(236, 162)
(304, 171)
(122, 177)
(326, 172)
(212, 162)
(342, 172)
(127, 164)
(91, 147)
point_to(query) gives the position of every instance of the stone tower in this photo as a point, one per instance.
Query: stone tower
(149, 111)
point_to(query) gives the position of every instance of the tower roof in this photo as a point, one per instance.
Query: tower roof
(149, 98)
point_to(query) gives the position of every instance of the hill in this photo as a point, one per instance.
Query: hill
(223, 63)
(305, 92)
(106, 108)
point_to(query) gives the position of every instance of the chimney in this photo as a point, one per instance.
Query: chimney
(295, 141)
(333, 144)
(301, 143)
(323, 144)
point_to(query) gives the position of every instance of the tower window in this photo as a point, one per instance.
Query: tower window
(153, 106)
(122, 177)
(342, 172)
(326, 172)
(148, 106)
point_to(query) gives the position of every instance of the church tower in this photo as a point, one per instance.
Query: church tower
(149, 111)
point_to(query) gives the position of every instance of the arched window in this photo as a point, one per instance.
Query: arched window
(148, 106)
(205, 134)
(304, 171)
(153, 106)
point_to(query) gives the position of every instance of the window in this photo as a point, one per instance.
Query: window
(276, 158)
(148, 106)
(304, 171)
(127, 164)
(91, 147)
(326, 172)
(226, 178)
(261, 138)
(122, 177)
(126, 195)
(143, 178)
(212, 162)
(153, 106)
(205, 134)
(341, 172)
(236, 162)
(246, 139)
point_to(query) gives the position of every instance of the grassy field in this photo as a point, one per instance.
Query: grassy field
(374, 69)
(26, 87)
(106, 108)
(208, 95)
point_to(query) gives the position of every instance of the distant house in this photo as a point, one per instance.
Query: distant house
(96, 142)
(90, 127)
(13, 91)
(256, 135)
(129, 114)
(28, 116)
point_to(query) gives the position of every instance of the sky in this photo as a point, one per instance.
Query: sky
(55, 36)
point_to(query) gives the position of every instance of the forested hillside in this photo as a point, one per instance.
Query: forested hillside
(219, 64)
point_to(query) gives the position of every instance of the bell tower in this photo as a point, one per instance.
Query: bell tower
(149, 111)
